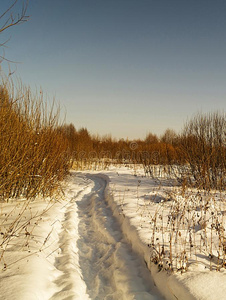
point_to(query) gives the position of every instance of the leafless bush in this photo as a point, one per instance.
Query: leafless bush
(33, 154)
(204, 148)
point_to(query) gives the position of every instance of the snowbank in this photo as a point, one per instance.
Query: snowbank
(40, 260)
(124, 192)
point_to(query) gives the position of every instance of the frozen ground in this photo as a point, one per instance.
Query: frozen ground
(98, 242)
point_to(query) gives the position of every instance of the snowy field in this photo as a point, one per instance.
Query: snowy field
(114, 235)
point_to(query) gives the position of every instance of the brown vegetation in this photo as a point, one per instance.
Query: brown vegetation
(195, 157)
(33, 152)
(204, 148)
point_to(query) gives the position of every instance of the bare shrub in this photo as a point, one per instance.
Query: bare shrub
(203, 145)
(33, 154)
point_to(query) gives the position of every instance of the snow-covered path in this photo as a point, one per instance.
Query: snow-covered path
(83, 253)
(110, 268)
(92, 243)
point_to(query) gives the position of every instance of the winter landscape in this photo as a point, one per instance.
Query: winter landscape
(104, 239)
(117, 190)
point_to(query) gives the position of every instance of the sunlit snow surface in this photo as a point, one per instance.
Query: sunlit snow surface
(95, 243)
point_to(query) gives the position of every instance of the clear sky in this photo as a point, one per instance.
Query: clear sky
(125, 67)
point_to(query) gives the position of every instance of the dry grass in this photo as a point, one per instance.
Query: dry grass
(187, 227)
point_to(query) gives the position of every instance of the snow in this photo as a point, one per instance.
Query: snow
(96, 242)
(45, 263)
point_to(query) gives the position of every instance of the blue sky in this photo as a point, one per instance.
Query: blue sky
(125, 67)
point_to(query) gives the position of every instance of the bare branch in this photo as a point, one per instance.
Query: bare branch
(8, 9)
(13, 20)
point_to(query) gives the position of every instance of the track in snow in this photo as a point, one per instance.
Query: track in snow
(110, 268)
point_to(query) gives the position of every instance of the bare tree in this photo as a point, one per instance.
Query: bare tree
(203, 142)
(169, 136)
(151, 138)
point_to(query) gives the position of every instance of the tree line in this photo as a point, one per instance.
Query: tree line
(195, 156)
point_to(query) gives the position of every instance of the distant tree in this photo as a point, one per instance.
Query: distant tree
(151, 138)
(169, 136)
(85, 142)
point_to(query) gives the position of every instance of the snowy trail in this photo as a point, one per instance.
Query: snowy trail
(68, 282)
(110, 268)
(78, 246)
